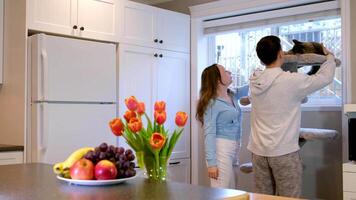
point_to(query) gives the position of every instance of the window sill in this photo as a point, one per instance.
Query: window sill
(306, 108)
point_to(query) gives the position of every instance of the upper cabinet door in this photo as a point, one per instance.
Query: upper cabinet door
(173, 31)
(52, 16)
(138, 25)
(98, 19)
(136, 69)
(173, 86)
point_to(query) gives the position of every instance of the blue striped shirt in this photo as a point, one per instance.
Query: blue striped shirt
(222, 120)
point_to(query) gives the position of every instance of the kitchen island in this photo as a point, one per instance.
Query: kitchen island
(37, 181)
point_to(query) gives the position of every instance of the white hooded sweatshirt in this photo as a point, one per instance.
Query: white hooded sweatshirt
(275, 101)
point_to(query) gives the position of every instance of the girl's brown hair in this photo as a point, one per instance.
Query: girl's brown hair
(210, 79)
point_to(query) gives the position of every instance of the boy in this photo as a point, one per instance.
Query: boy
(276, 97)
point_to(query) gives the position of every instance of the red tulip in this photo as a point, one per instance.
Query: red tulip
(160, 117)
(117, 127)
(131, 103)
(181, 119)
(157, 141)
(129, 114)
(141, 108)
(160, 106)
(135, 124)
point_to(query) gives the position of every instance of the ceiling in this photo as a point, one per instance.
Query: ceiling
(152, 2)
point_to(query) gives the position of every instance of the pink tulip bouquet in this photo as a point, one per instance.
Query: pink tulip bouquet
(153, 144)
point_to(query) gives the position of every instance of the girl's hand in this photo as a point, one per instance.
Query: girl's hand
(213, 172)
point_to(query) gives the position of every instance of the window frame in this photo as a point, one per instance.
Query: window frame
(331, 104)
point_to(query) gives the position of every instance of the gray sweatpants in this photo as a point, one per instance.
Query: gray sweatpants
(280, 175)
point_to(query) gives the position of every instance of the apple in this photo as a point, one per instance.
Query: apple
(82, 169)
(105, 170)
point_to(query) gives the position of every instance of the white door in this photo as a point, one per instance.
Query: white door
(73, 70)
(98, 19)
(136, 69)
(52, 16)
(173, 86)
(64, 128)
(139, 25)
(173, 31)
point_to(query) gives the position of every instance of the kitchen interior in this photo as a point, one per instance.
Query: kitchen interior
(154, 50)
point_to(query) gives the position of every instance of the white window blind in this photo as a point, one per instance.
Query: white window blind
(313, 11)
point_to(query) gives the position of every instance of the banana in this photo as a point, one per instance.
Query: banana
(62, 168)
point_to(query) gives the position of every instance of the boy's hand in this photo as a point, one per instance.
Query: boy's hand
(213, 172)
(245, 101)
(327, 51)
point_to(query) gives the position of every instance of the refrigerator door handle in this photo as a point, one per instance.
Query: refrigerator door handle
(44, 75)
(43, 126)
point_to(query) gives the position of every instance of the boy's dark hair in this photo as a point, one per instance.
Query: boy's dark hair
(267, 49)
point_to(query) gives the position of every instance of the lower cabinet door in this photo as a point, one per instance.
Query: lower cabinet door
(349, 195)
(179, 170)
(8, 158)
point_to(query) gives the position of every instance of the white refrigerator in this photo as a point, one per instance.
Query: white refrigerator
(72, 95)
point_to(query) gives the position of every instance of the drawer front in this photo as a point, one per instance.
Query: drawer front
(8, 158)
(349, 195)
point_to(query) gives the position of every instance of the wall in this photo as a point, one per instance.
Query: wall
(353, 50)
(12, 92)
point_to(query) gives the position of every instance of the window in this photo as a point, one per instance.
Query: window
(236, 51)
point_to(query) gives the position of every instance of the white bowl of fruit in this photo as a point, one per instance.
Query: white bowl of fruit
(102, 165)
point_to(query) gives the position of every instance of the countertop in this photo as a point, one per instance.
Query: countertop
(37, 181)
(5, 148)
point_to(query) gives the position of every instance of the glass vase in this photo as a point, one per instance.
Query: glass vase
(155, 167)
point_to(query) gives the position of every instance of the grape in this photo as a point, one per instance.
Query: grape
(109, 154)
(128, 151)
(89, 155)
(132, 165)
(130, 172)
(96, 154)
(121, 173)
(120, 150)
(126, 165)
(117, 156)
(103, 146)
(130, 157)
(118, 165)
(97, 149)
(122, 158)
(112, 160)
(112, 148)
(102, 156)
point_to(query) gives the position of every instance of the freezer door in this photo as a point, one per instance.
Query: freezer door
(60, 129)
(65, 69)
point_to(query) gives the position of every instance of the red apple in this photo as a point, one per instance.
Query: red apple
(83, 169)
(105, 170)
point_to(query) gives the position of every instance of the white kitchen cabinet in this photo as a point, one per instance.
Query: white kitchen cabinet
(179, 170)
(93, 19)
(154, 27)
(11, 157)
(349, 181)
(151, 75)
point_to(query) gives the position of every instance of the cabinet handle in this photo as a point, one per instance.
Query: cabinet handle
(155, 55)
(155, 40)
(161, 41)
(174, 163)
(75, 27)
(82, 28)
(160, 55)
